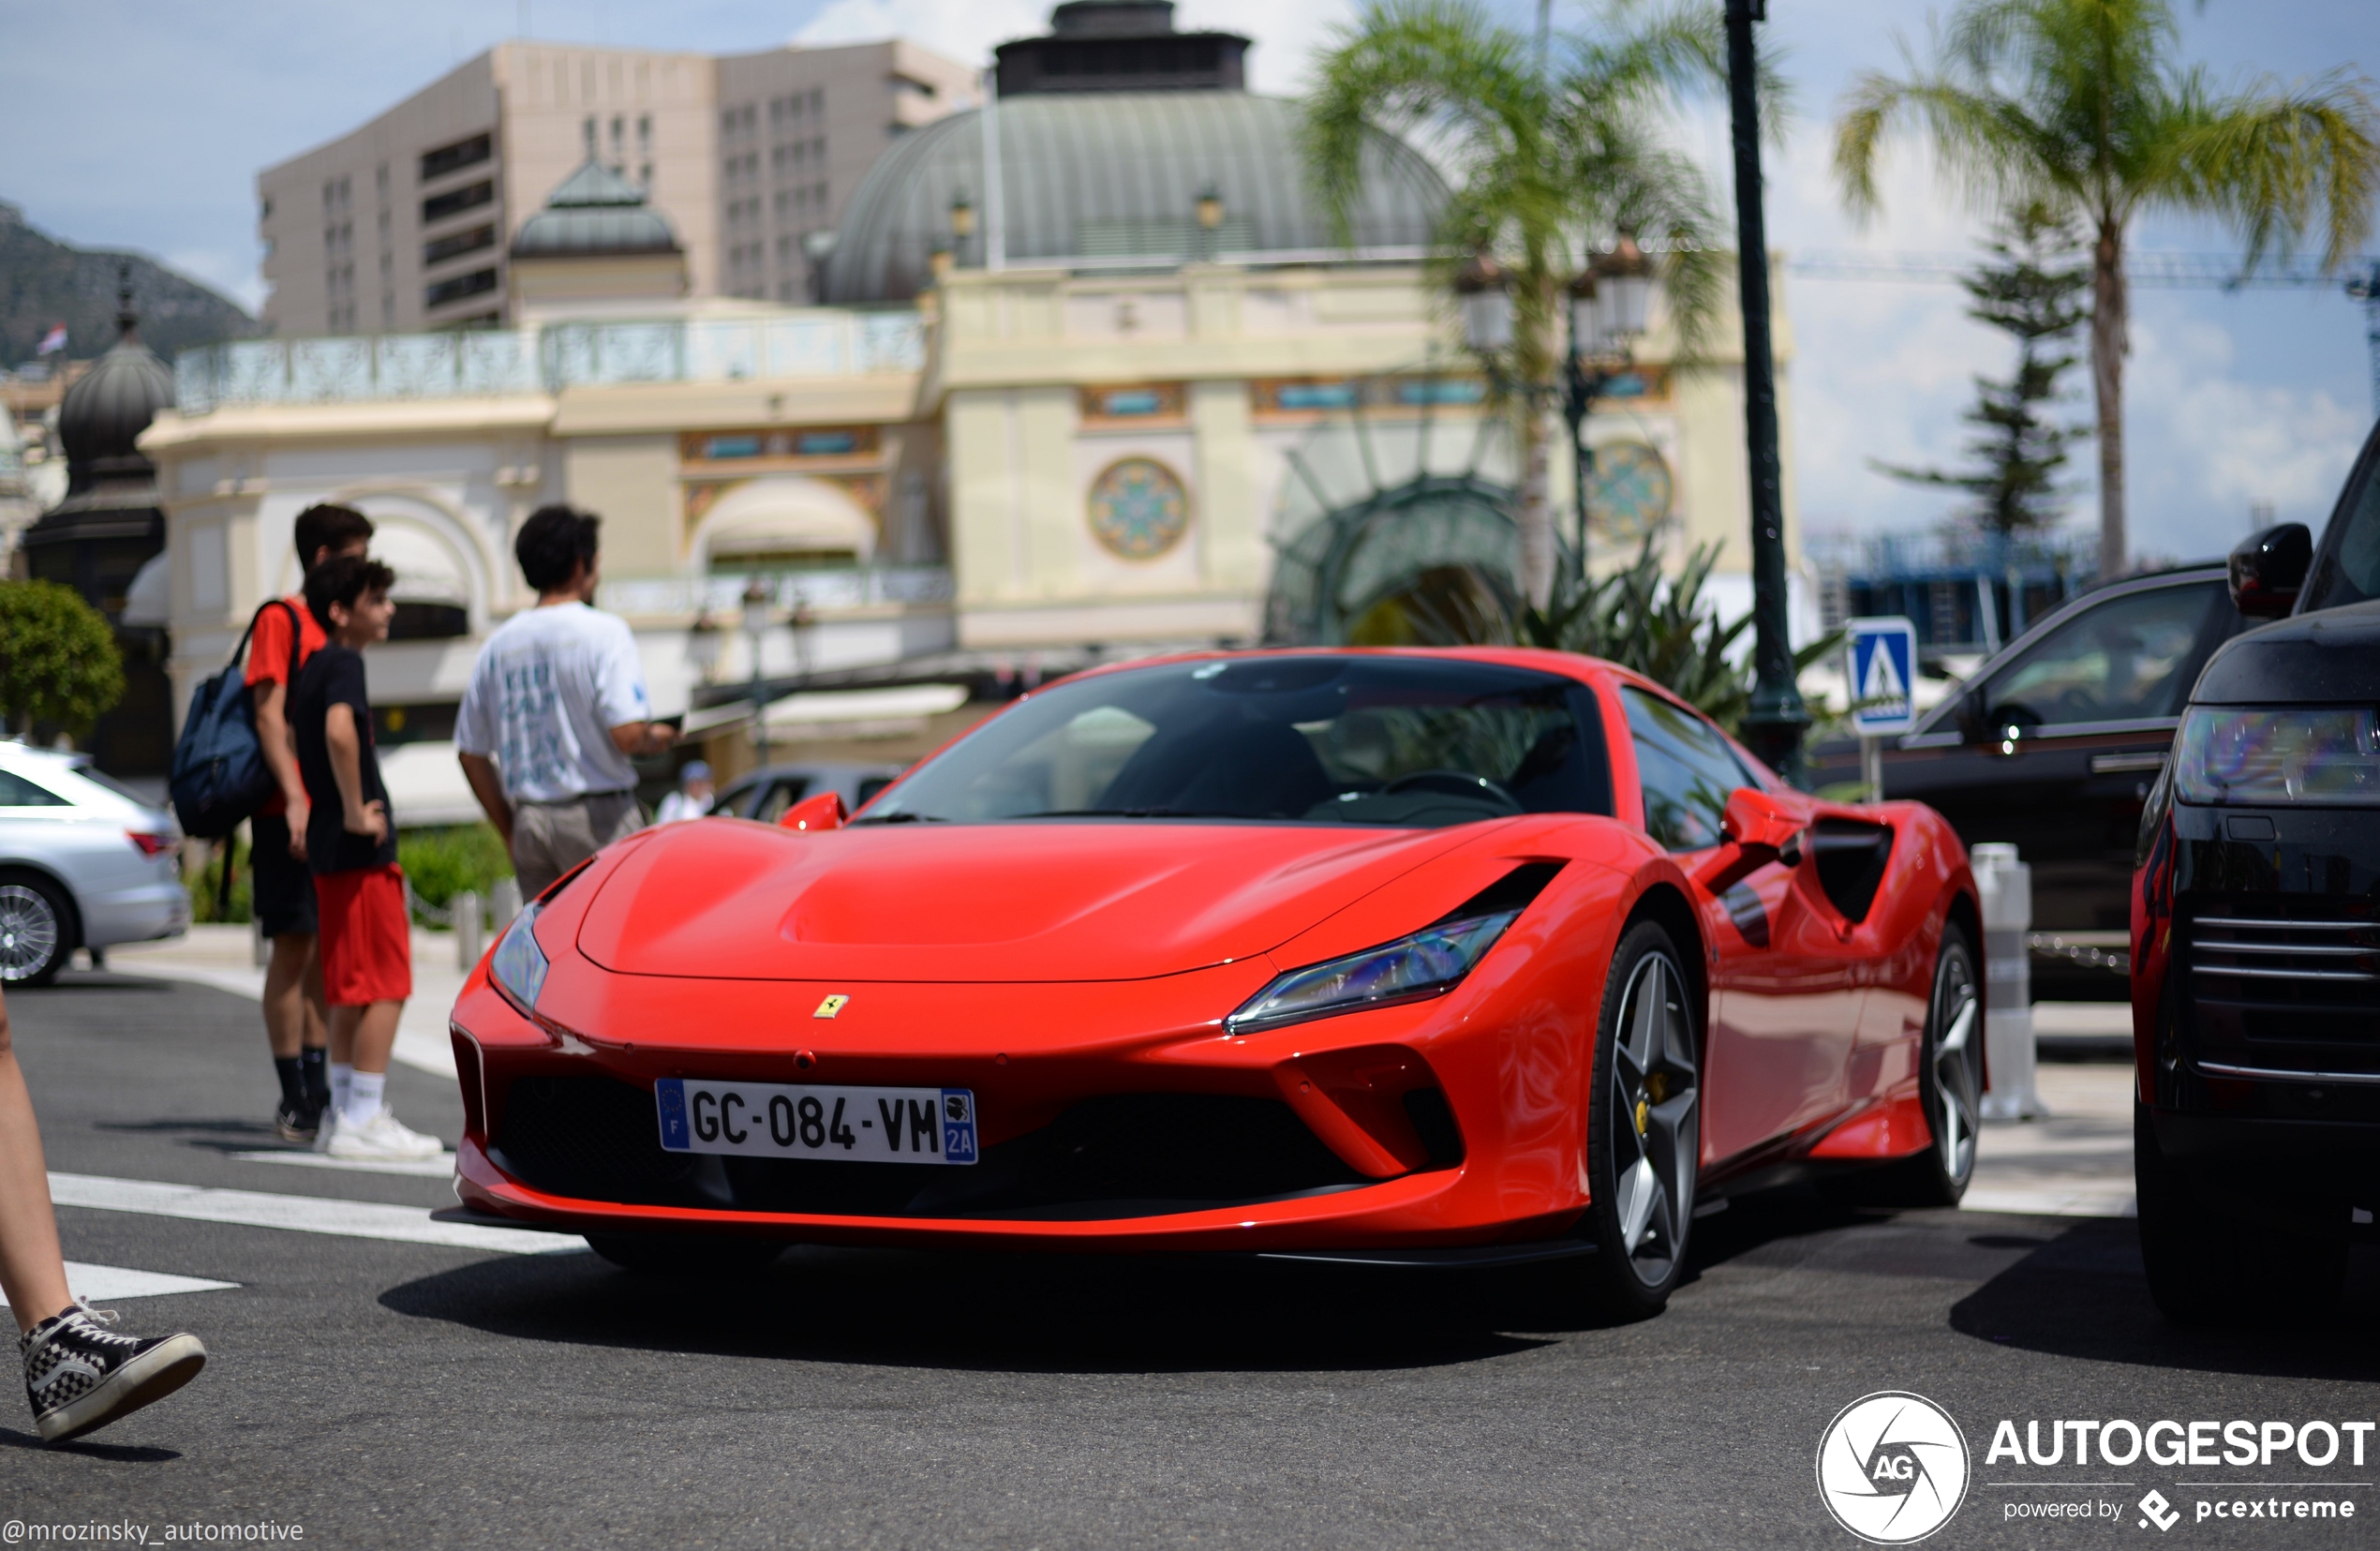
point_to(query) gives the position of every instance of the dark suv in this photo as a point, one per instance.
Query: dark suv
(2256, 936)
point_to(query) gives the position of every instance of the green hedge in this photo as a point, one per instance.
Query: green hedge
(440, 864)
(443, 863)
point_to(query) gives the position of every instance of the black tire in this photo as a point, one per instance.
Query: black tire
(1644, 1127)
(37, 928)
(2211, 1270)
(1949, 1083)
(686, 1254)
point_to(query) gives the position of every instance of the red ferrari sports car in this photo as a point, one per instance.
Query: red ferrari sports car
(1394, 956)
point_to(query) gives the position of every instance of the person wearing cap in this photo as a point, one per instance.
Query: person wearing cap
(693, 797)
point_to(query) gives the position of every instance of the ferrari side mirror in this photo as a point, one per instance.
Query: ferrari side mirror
(1757, 822)
(2268, 568)
(822, 812)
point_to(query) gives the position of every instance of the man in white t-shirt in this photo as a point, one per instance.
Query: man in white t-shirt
(556, 710)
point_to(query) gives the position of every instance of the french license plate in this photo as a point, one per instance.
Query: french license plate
(852, 1124)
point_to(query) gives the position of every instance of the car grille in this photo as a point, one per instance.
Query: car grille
(1122, 1156)
(2288, 990)
(592, 1138)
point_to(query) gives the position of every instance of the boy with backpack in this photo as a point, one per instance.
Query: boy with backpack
(351, 849)
(296, 1024)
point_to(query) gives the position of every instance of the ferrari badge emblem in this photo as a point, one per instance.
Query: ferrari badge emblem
(830, 1007)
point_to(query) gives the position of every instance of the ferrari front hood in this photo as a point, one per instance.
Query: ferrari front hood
(1019, 902)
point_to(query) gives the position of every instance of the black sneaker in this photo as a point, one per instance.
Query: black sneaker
(296, 1124)
(80, 1376)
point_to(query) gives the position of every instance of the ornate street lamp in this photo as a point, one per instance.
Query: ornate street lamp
(1610, 300)
(702, 645)
(1209, 218)
(1487, 304)
(758, 607)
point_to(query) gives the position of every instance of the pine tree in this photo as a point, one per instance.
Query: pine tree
(2036, 289)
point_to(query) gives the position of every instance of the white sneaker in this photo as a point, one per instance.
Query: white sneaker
(328, 1128)
(383, 1140)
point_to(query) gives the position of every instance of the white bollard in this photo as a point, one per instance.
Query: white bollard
(2007, 886)
(465, 908)
(504, 901)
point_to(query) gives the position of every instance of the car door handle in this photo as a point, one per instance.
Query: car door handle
(2118, 763)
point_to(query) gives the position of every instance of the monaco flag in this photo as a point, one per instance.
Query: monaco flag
(54, 341)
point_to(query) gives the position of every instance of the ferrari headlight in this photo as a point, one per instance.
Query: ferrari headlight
(2323, 755)
(1427, 963)
(518, 967)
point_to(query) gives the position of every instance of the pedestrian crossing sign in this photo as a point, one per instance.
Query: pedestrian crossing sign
(1884, 671)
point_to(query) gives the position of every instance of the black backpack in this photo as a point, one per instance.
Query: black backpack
(219, 777)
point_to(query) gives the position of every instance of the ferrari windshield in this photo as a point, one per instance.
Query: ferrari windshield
(1400, 742)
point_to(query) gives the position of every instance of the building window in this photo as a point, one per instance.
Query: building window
(645, 174)
(477, 282)
(380, 179)
(587, 133)
(644, 134)
(265, 213)
(455, 201)
(461, 154)
(468, 241)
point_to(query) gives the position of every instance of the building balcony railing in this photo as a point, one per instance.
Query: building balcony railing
(474, 363)
(722, 597)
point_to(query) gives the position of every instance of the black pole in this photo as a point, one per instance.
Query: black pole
(1773, 724)
(1578, 401)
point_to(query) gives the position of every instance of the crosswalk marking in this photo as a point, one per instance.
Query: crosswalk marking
(354, 1219)
(441, 1167)
(99, 1284)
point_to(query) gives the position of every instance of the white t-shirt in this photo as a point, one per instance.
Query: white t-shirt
(679, 806)
(545, 693)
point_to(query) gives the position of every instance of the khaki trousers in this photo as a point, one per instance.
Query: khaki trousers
(551, 838)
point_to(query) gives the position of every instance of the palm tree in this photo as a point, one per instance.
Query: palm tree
(2082, 106)
(1554, 157)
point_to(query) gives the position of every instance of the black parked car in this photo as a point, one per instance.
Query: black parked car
(764, 795)
(2255, 925)
(2052, 745)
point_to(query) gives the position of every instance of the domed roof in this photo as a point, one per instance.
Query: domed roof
(595, 213)
(102, 416)
(1115, 173)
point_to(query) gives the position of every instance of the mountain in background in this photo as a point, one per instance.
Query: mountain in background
(45, 282)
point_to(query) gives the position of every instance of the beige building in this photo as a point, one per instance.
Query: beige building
(404, 223)
(1137, 401)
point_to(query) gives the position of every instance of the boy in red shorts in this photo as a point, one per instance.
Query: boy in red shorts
(351, 848)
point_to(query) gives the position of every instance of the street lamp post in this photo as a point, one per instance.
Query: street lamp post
(1773, 724)
(756, 611)
(1609, 302)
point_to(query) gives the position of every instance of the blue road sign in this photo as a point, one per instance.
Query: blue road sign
(1884, 671)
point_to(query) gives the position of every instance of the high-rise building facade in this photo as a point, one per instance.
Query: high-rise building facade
(405, 222)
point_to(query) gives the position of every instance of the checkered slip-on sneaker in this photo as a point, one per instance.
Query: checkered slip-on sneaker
(80, 1375)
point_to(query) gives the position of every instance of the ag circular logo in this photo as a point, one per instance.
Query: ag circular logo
(1892, 1468)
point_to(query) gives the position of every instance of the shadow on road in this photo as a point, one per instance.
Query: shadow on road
(2081, 1293)
(1076, 1314)
(121, 1453)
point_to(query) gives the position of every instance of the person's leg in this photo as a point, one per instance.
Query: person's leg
(31, 1272)
(314, 1051)
(371, 974)
(285, 993)
(533, 862)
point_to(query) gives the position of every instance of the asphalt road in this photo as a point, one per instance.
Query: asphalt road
(399, 1394)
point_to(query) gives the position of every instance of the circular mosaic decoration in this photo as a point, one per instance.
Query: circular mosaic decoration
(1138, 509)
(1630, 492)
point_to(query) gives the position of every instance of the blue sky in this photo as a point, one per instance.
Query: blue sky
(142, 124)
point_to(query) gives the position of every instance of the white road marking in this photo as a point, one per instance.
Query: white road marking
(441, 1167)
(2082, 1195)
(354, 1219)
(99, 1284)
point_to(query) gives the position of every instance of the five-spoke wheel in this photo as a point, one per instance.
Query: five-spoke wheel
(1643, 1123)
(33, 937)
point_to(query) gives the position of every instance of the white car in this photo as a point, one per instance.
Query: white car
(83, 863)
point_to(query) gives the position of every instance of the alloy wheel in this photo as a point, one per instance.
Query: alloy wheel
(1957, 1016)
(1656, 1138)
(28, 932)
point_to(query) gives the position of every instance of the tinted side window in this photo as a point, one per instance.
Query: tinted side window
(17, 792)
(734, 800)
(2348, 569)
(1687, 770)
(2125, 659)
